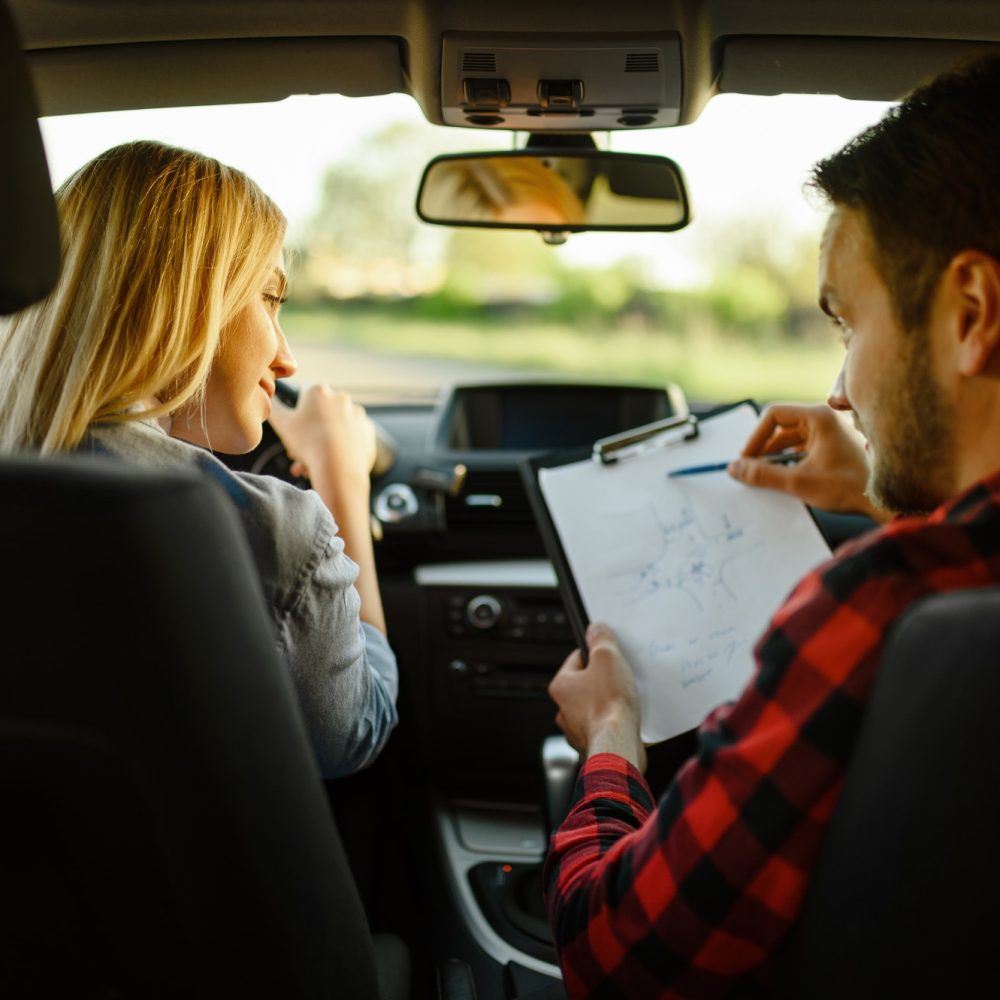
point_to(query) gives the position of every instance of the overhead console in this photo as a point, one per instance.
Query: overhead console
(550, 82)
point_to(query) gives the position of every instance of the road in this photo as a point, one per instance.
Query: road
(376, 377)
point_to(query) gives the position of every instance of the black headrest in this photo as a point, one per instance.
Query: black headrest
(29, 236)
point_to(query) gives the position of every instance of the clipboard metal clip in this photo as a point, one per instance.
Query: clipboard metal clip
(672, 430)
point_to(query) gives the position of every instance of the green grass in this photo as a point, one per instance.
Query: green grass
(706, 365)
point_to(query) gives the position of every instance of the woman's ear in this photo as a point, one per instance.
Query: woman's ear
(972, 283)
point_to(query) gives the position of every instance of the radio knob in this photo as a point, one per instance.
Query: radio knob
(483, 611)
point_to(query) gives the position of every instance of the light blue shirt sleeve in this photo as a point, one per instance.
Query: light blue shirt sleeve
(344, 669)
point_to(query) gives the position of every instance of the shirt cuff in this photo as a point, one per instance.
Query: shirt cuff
(609, 774)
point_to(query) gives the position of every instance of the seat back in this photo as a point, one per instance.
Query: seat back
(166, 831)
(904, 899)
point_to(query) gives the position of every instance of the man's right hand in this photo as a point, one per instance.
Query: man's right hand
(832, 475)
(598, 703)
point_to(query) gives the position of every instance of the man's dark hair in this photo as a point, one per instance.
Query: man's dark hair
(926, 179)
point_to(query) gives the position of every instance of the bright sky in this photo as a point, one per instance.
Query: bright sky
(745, 157)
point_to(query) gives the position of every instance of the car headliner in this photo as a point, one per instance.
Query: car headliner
(102, 55)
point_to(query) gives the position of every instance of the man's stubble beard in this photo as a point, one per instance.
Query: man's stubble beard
(912, 469)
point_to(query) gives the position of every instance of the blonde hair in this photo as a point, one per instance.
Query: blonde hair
(162, 248)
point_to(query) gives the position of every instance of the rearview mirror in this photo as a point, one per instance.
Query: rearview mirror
(554, 191)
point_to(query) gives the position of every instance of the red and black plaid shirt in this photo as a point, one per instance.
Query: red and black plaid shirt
(691, 896)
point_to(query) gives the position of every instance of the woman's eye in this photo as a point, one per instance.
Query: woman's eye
(274, 300)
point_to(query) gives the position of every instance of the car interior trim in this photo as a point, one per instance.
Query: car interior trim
(706, 32)
(124, 77)
(459, 860)
(855, 68)
(499, 828)
(500, 573)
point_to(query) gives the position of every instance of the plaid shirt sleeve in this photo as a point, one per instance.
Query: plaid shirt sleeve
(691, 896)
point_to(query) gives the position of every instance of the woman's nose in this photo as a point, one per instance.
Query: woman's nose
(284, 364)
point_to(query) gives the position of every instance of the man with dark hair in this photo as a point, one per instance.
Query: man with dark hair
(692, 896)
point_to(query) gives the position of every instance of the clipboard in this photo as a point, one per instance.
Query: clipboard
(658, 446)
(670, 432)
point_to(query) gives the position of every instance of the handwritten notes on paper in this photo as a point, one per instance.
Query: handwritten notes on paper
(688, 571)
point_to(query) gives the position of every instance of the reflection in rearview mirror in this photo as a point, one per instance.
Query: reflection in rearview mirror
(554, 191)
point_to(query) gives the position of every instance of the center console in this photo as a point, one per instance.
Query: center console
(497, 632)
(493, 631)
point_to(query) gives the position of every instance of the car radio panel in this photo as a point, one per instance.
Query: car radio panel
(493, 652)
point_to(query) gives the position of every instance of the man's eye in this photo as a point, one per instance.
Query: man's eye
(843, 330)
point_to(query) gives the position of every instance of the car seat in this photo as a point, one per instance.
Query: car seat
(165, 829)
(903, 901)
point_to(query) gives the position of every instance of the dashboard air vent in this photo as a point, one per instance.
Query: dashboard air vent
(491, 500)
(642, 62)
(479, 62)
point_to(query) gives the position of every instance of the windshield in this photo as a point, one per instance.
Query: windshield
(395, 309)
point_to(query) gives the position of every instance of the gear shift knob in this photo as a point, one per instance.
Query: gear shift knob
(560, 763)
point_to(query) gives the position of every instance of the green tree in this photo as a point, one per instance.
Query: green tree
(763, 276)
(366, 208)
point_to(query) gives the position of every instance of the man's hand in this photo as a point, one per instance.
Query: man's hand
(833, 474)
(598, 703)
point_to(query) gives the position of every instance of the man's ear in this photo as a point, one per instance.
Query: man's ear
(972, 279)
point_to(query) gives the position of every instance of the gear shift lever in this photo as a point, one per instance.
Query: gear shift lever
(560, 763)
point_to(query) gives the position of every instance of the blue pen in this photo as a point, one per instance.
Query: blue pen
(779, 458)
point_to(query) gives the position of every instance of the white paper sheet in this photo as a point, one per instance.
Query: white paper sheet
(688, 571)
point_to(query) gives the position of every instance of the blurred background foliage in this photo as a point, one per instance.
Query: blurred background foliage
(366, 271)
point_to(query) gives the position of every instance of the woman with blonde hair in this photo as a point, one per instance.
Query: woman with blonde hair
(160, 344)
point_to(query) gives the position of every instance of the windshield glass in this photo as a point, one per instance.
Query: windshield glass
(393, 308)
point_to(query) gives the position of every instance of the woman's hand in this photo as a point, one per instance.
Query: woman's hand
(328, 436)
(331, 440)
(833, 475)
